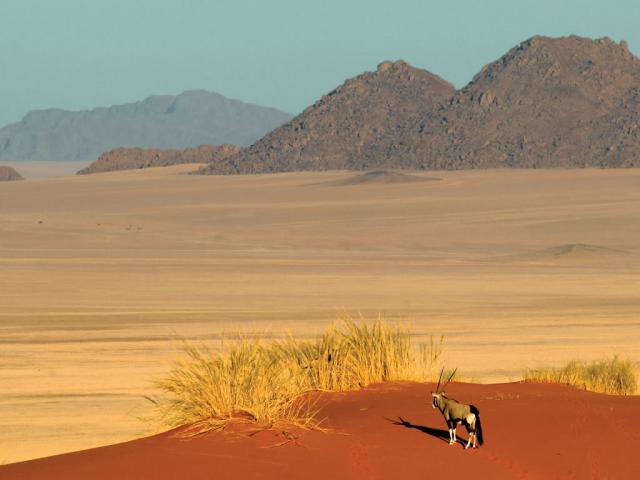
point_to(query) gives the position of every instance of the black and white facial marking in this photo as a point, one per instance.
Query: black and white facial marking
(439, 400)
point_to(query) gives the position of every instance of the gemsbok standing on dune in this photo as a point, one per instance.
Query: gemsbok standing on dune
(456, 413)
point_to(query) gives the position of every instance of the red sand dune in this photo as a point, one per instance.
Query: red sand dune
(531, 431)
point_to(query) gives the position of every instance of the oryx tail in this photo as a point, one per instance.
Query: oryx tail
(478, 425)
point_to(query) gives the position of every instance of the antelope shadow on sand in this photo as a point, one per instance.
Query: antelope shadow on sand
(434, 432)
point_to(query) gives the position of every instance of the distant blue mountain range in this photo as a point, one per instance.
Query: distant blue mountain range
(187, 120)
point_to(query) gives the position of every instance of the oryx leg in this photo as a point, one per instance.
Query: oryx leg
(471, 435)
(470, 423)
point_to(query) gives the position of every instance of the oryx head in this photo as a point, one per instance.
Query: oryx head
(437, 398)
(439, 394)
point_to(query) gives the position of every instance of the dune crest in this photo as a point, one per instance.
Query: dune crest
(382, 430)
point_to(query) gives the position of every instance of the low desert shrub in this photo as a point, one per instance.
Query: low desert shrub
(243, 381)
(266, 382)
(613, 376)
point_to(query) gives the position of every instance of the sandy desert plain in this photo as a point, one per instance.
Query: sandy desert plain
(101, 275)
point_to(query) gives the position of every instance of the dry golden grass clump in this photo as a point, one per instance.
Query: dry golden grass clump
(612, 376)
(266, 382)
(243, 381)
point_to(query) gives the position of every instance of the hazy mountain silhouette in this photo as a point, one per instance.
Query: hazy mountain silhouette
(169, 122)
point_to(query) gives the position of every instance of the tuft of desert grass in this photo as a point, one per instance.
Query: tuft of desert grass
(613, 376)
(266, 382)
(244, 381)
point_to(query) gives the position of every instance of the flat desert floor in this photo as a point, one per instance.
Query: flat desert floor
(32, 170)
(102, 275)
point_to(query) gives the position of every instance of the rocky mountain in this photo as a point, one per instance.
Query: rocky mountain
(353, 127)
(135, 158)
(9, 174)
(548, 102)
(163, 122)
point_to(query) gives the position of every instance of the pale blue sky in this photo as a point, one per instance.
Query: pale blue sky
(78, 54)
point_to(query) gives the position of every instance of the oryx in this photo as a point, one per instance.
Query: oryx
(456, 413)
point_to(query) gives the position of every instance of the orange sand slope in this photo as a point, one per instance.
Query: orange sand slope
(387, 431)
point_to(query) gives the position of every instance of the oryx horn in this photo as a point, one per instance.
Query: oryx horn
(439, 380)
(449, 379)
